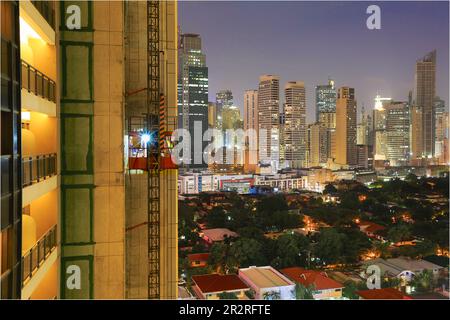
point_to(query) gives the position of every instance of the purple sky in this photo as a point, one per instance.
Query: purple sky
(310, 41)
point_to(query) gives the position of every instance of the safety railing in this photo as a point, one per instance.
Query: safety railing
(33, 259)
(38, 83)
(38, 168)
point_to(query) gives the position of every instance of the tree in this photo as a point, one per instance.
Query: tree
(219, 258)
(350, 288)
(424, 281)
(291, 250)
(216, 218)
(272, 295)
(399, 232)
(246, 252)
(228, 296)
(329, 189)
(329, 246)
(303, 293)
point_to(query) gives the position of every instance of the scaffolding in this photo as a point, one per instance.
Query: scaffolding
(153, 151)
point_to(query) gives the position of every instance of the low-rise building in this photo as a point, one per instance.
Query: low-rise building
(323, 287)
(210, 286)
(211, 236)
(198, 260)
(404, 268)
(268, 283)
(382, 294)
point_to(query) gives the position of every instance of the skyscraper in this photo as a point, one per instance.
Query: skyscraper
(294, 129)
(416, 139)
(425, 91)
(251, 123)
(193, 96)
(346, 127)
(317, 144)
(224, 98)
(397, 133)
(325, 98)
(212, 115)
(379, 127)
(268, 119)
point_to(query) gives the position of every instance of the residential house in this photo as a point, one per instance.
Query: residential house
(210, 286)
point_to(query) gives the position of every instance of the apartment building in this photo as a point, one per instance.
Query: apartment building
(30, 152)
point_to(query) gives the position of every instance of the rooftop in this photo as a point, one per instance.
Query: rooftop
(395, 266)
(265, 277)
(209, 283)
(218, 234)
(385, 294)
(319, 280)
(198, 257)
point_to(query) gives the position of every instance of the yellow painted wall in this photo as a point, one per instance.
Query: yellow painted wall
(40, 55)
(29, 236)
(44, 211)
(47, 289)
(41, 136)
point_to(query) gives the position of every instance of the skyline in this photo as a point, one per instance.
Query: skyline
(391, 73)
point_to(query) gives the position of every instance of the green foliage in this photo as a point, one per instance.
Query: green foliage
(228, 296)
(330, 245)
(272, 295)
(350, 288)
(246, 252)
(216, 218)
(329, 189)
(399, 232)
(303, 293)
(291, 250)
(424, 282)
(250, 294)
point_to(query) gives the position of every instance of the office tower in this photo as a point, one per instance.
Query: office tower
(212, 115)
(251, 123)
(193, 96)
(363, 129)
(346, 127)
(294, 129)
(325, 98)
(151, 262)
(268, 120)
(416, 133)
(397, 133)
(379, 127)
(29, 151)
(362, 151)
(224, 98)
(442, 125)
(317, 144)
(328, 120)
(425, 91)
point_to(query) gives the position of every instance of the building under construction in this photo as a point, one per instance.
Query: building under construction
(151, 177)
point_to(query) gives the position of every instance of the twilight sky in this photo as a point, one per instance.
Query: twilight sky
(310, 41)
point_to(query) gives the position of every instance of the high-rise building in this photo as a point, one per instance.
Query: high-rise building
(325, 98)
(379, 127)
(442, 129)
(268, 120)
(224, 98)
(317, 145)
(415, 135)
(251, 123)
(212, 115)
(328, 120)
(425, 92)
(193, 97)
(397, 133)
(346, 154)
(294, 128)
(30, 151)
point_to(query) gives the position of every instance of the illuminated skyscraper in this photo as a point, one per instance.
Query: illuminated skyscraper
(251, 123)
(294, 127)
(346, 153)
(325, 98)
(269, 119)
(397, 133)
(425, 91)
(193, 96)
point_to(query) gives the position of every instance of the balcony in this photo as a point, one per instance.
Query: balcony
(47, 10)
(38, 83)
(38, 168)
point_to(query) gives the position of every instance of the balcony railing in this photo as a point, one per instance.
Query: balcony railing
(36, 256)
(47, 10)
(38, 168)
(38, 83)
